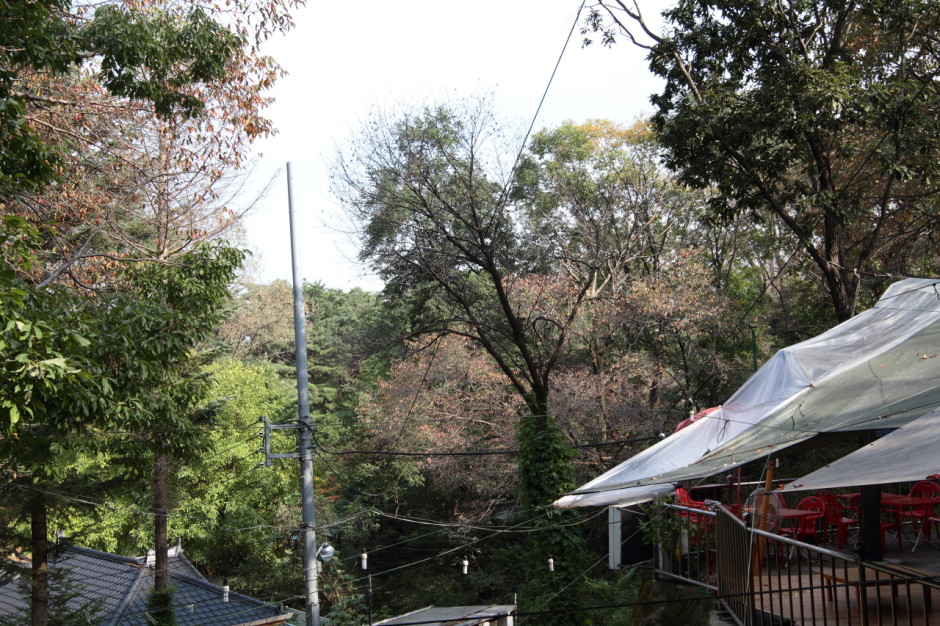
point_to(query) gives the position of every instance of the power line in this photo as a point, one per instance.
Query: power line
(495, 532)
(456, 549)
(538, 109)
(887, 275)
(100, 432)
(493, 529)
(472, 453)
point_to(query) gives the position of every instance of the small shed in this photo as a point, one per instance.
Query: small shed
(483, 615)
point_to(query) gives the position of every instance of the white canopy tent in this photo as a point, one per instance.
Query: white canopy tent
(872, 368)
(907, 454)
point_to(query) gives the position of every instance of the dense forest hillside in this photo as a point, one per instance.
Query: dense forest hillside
(553, 301)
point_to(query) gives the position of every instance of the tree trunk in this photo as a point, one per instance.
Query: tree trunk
(160, 510)
(39, 594)
(842, 291)
(546, 473)
(546, 469)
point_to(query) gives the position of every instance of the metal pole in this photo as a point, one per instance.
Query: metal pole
(370, 599)
(305, 441)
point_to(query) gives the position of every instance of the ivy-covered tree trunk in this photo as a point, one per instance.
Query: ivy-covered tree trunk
(39, 593)
(545, 472)
(160, 607)
(545, 469)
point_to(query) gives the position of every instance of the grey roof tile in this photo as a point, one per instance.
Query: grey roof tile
(119, 587)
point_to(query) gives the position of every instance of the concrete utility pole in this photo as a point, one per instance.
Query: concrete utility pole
(305, 441)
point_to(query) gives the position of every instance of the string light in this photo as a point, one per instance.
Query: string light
(365, 561)
(551, 564)
(465, 563)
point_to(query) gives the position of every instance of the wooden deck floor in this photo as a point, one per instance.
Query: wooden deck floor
(800, 584)
(805, 593)
(805, 602)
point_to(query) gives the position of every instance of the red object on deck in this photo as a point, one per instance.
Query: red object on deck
(691, 420)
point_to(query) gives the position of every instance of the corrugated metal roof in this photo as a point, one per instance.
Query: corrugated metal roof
(452, 615)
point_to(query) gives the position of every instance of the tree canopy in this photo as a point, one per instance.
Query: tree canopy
(139, 54)
(820, 115)
(110, 183)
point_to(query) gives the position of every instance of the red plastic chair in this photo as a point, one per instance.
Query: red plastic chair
(834, 517)
(931, 520)
(684, 498)
(921, 513)
(808, 528)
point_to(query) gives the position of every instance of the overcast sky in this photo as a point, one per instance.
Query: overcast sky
(344, 59)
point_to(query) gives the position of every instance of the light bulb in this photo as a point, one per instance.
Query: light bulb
(365, 561)
(551, 564)
(465, 563)
(326, 552)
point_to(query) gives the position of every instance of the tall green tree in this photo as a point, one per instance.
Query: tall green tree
(76, 368)
(120, 125)
(137, 177)
(436, 220)
(182, 304)
(236, 520)
(821, 115)
(596, 197)
(431, 190)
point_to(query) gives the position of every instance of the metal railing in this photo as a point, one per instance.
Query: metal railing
(764, 579)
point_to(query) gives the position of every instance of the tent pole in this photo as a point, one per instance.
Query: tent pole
(764, 506)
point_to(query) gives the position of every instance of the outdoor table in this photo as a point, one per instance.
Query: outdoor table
(795, 513)
(894, 502)
(900, 500)
(786, 513)
(893, 498)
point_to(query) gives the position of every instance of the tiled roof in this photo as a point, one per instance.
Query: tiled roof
(199, 602)
(119, 586)
(97, 579)
(12, 592)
